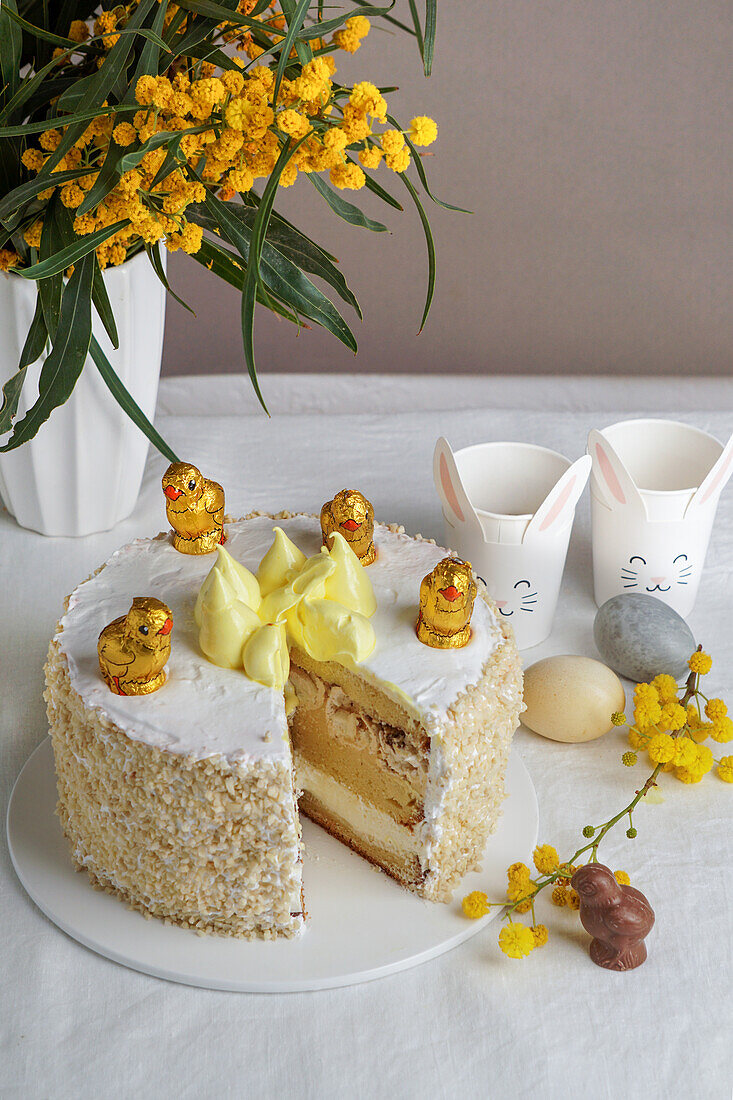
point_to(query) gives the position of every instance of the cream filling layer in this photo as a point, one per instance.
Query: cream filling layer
(365, 820)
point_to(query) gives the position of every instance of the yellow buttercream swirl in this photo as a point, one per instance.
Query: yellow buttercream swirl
(321, 604)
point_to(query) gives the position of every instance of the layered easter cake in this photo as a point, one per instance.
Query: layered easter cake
(295, 681)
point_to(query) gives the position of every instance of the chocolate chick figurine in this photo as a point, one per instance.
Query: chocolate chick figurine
(195, 509)
(446, 605)
(618, 917)
(133, 649)
(352, 515)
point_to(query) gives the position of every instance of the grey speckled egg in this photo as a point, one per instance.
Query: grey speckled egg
(640, 637)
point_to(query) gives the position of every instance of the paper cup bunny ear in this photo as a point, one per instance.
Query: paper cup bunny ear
(457, 507)
(715, 481)
(610, 475)
(558, 507)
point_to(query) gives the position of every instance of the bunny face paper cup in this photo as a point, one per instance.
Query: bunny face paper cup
(509, 509)
(655, 487)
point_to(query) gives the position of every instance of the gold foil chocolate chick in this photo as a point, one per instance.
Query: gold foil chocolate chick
(352, 515)
(133, 649)
(195, 509)
(446, 605)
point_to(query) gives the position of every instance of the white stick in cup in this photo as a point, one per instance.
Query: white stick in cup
(509, 509)
(654, 492)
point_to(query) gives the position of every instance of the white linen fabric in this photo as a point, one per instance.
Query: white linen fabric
(471, 1023)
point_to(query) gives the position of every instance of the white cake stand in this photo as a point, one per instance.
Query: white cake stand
(361, 924)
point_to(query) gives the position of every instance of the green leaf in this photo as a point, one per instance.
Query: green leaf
(153, 251)
(278, 274)
(61, 120)
(102, 305)
(346, 210)
(252, 277)
(291, 245)
(11, 44)
(27, 191)
(65, 361)
(35, 342)
(295, 15)
(73, 252)
(375, 10)
(39, 32)
(49, 290)
(417, 26)
(317, 30)
(430, 245)
(127, 402)
(149, 59)
(221, 14)
(431, 18)
(228, 266)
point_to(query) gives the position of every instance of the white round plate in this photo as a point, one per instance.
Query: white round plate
(361, 924)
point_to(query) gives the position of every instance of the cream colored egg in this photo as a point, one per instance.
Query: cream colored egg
(571, 698)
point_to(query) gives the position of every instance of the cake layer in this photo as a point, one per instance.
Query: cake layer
(384, 765)
(369, 831)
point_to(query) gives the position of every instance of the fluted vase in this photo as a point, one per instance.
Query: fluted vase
(82, 472)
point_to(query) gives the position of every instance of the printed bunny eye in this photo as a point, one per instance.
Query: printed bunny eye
(143, 629)
(685, 569)
(527, 599)
(629, 576)
(192, 485)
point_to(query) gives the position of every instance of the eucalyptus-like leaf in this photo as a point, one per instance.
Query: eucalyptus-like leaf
(127, 402)
(64, 363)
(431, 20)
(317, 30)
(73, 252)
(295, 15)
(430, 246)
(228, 267)
(346, 210)
(153, 251)
(19, 196)
(33, 347)
(102, 304)
(63, 120)
(11, 45)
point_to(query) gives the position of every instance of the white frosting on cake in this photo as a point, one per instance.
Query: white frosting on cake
(204, 710)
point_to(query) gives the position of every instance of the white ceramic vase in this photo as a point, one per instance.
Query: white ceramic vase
(81, 473)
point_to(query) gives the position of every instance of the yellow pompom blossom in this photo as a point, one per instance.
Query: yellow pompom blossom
(622, 878)
(716, 709)
(32, 235)
(629, 759)
(647, 708)
(33, 159)
(370, 157)
(392, 141)
(725, 769)
(475, 904)
(423, 130)
(350, 37)
(8, 258)
(347, 176)
(366, 97)
(78, 31)
(124, 134)
(700, 663)
(540, 933)
(666, 688)
(398, 162)
(722, 730)
(516, 940)
(618, 718)
(546, 859)
(685, 753)
(661, 748)
(573, 901)
(559, 896)
(673, 716)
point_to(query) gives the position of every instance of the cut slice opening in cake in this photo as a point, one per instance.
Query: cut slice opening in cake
(361, 767)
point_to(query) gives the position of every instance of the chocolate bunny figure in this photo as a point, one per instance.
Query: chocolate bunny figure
(618, 917)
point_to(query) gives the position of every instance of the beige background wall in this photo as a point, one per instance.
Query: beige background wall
(592, 140)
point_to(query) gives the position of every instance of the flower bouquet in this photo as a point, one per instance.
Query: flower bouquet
(156, 125)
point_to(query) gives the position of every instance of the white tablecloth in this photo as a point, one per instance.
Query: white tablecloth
(471, 1023)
